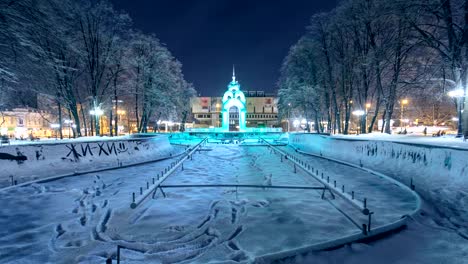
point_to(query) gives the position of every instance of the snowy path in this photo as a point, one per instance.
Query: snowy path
(83, 219)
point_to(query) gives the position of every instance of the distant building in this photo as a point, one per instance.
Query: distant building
(261, 111)
(23, 122)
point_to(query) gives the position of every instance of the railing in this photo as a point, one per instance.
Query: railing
(334, 188)
(156, 182)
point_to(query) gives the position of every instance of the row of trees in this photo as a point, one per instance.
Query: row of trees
(85, 57)
(369, 54)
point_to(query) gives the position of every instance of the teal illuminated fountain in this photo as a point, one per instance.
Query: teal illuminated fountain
(234, 97)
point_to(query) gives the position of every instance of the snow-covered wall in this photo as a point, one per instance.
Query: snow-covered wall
(440, 174)
(36, 161)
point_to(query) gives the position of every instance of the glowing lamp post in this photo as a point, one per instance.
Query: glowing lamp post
(359, 113)
(458, 94)
(97, 112)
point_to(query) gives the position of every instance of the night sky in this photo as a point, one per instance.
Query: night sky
(208, 36)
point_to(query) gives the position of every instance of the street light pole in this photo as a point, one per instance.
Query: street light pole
(97, 112)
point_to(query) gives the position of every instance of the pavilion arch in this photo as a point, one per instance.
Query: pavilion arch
(234, 97)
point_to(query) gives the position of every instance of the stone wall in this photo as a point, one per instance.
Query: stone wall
(35, 161)
(440, 174)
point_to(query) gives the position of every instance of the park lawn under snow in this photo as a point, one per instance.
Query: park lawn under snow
(444, 141)
(84, 218)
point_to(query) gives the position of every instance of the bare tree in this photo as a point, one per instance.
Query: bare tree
(99, 29)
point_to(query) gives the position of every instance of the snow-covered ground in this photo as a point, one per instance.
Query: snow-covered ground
(83, 219)
(449, 141)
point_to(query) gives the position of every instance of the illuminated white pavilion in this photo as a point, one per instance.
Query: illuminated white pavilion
(234, 97)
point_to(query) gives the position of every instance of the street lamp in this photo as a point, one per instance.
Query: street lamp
(69, 122)
(358, 113)
(458, 94)
(402, 103)
(289, 109)
(97, 112)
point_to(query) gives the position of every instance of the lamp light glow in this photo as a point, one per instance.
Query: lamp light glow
(358, 112)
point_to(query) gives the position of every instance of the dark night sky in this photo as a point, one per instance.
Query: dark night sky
(208, 36)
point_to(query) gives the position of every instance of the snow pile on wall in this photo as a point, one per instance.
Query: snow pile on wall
(440, 174)
(36, 161)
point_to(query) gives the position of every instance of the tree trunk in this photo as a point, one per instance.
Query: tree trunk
(388, 117)
(394, 83)
(317, 123)
(111, 128)
(91, 124)
(363, 122)
(374, 117)
(84, 120)
(116, 118)
(347, 117)
(383, 121)
(59, 105)
(184, 118)
(97, 118)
